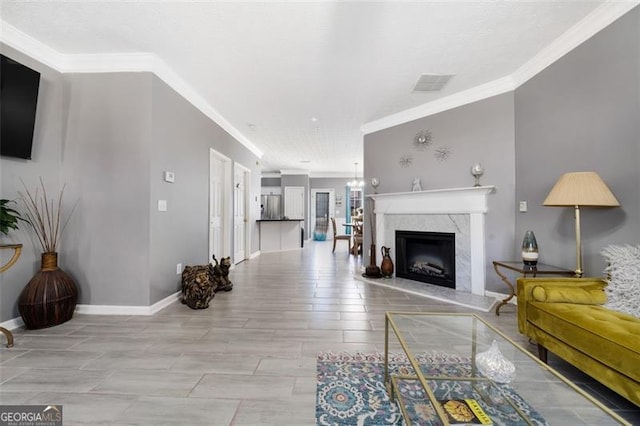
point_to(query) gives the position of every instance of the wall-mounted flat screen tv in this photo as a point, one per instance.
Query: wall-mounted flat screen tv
(18, 100)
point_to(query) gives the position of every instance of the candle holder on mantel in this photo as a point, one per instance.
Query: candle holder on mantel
(476, 171)
(375, 182)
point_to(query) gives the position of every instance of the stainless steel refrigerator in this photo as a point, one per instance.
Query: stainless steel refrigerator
(270, 207)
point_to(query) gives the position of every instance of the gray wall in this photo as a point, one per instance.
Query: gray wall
(271, 181)
(109, 137)
(182, 138)
(45, 163)
(480, 132)
(106, 164)
(582, 113)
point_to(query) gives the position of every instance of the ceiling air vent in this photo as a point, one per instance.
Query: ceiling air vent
(431, 82)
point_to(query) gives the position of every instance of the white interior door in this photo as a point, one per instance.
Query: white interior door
(219, 178)
(241, 186)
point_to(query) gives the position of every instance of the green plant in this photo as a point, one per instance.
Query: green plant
(8, 217)
(44, 215)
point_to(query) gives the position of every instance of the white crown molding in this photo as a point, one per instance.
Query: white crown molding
(598, 19)
(465, 97)
(166, 74)
(294, 172)
(346, 175)
(270, 175)
(119, 62)
(111, 62)
(28, 45)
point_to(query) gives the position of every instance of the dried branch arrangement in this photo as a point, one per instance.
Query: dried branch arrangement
(44, 215)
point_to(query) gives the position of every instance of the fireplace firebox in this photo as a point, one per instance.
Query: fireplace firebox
(428, 257)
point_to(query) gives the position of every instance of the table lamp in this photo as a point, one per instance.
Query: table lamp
(580, 189)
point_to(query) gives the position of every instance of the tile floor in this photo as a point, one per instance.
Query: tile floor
(247, 360)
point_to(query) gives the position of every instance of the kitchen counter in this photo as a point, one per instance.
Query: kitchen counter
(280, 234)
(279, 220)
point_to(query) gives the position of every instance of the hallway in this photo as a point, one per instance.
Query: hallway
(249, 359)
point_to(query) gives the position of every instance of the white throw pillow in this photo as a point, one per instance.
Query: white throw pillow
(623, 272)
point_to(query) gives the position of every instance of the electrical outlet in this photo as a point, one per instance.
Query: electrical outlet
(179, 268)
(162, 205)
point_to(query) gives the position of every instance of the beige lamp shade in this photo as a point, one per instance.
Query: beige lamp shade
(580, 189)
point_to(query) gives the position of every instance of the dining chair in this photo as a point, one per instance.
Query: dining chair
(337, 236)
(357, 239)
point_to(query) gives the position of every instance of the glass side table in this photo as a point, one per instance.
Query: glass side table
(17, 249)
(525, 271)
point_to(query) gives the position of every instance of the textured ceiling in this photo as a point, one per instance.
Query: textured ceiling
(300, 79)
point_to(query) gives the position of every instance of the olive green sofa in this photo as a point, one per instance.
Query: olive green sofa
(566, 317)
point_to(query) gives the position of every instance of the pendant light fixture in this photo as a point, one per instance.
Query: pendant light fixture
(356, 183)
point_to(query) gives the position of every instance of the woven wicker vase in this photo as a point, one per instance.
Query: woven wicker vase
(50, 297)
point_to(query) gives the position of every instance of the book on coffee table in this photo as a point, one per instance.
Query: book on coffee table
(465, 412)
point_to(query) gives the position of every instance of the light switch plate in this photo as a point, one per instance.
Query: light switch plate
(162, 205)
(522, 206)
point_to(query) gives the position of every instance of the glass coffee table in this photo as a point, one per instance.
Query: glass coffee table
(461, 357)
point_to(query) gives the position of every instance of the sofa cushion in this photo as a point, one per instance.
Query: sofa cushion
(611, 337)
(591, 295)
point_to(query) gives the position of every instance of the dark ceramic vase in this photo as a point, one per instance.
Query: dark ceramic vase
(50, 297)
(386, 268)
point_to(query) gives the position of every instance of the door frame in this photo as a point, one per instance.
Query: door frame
(227, 213)
(332, 210)
(246, 181)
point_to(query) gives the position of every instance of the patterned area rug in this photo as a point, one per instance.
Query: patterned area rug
(351, 391)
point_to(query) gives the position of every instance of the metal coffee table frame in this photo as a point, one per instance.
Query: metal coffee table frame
(391, 381)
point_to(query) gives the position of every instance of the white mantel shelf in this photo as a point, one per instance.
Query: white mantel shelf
(470, 202)
(449, 201)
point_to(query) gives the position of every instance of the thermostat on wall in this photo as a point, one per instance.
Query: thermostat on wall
(169, 177)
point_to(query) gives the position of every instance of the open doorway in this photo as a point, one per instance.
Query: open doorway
(322, 208)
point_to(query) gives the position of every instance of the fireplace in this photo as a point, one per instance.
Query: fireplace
(429, 257)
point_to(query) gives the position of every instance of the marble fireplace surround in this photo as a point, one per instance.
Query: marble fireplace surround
(458, 210)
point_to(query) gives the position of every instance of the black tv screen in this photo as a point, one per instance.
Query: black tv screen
(18, 100)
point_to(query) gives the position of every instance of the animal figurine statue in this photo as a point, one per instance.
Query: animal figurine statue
(416, 185)
(221, 274)
(198, 286)
(200, 283)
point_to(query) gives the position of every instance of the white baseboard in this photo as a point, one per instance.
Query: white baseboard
(108, 310)
(254, 254)
(501, 296)
(12, 323)
(127, 310)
